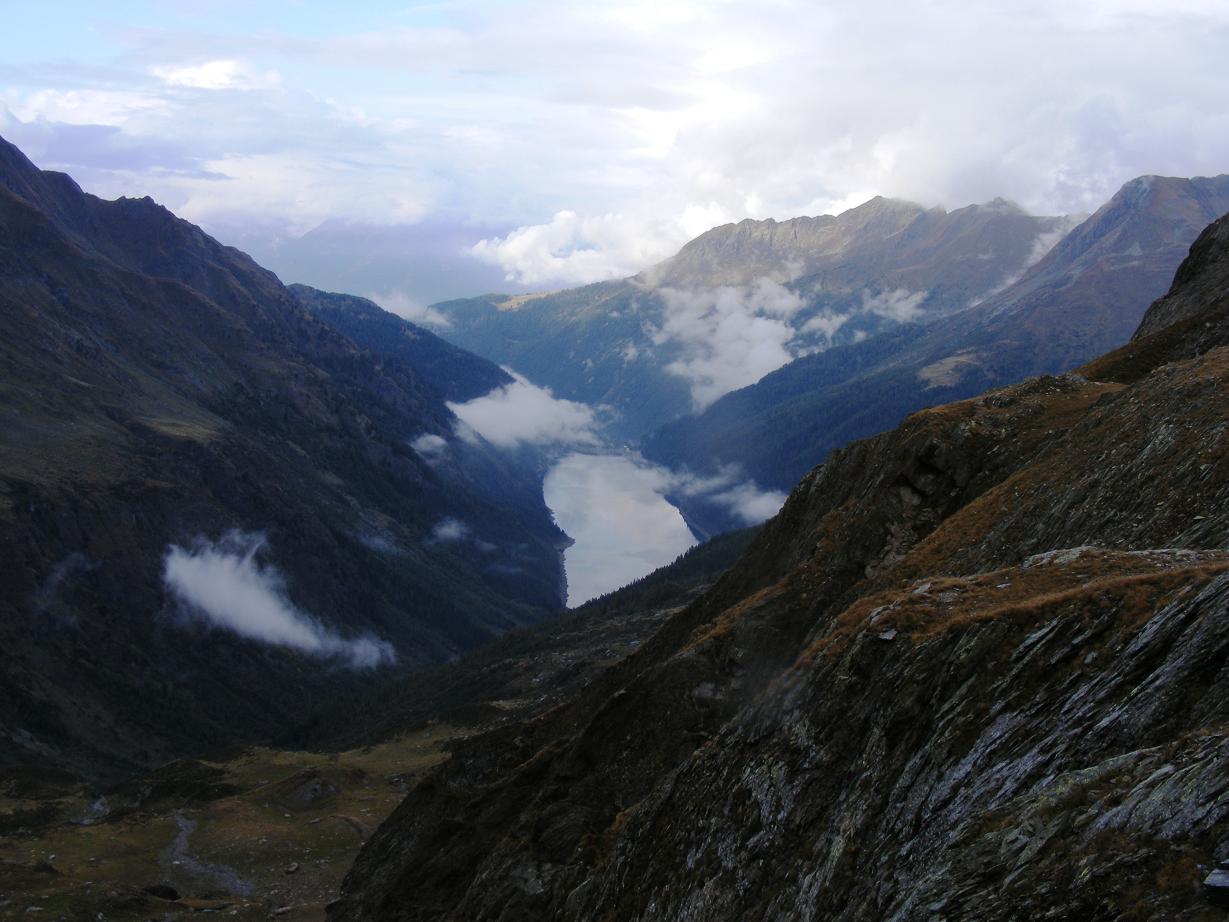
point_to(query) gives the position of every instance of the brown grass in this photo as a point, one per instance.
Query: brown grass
(1131, 587)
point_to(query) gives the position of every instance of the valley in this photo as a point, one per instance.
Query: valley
(859, 566)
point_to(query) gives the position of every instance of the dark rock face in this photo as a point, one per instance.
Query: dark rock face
(157, 388)
(977, 668)
(1201, 285)
(456, 374)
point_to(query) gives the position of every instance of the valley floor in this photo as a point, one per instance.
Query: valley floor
(265, 833)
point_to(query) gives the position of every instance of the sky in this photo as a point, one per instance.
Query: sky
(433, 150)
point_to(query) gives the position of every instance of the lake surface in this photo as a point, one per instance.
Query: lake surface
(612, 507)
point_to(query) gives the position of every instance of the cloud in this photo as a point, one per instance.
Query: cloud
(728, 488)
(449, 531)
(217, 75)
(729, 337)
(432, 448)
(595, 129)
(521, 413)
(614, 507)
(900, 305)
(224, 584)
(825, 323)
(407, 308)
(749, 502)
(575, 250)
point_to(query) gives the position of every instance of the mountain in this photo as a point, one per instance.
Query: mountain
(455, 374)
(1085, 296)
(217, 512)
(744, 299)
(975, 669)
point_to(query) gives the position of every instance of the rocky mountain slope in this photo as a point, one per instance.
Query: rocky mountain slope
(742, 299)
(455, 374)
(1085, 296)
(164, 401)
(976, 668)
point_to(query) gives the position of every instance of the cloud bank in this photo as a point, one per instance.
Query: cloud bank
(408, 308)
(224, 584)
(521, 413)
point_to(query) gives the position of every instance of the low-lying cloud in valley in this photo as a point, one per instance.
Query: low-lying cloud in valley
(430, 447)
(226, 586)
(522, 413)
(900, 304)
(411, 309)
(729, 489)
(729, 336)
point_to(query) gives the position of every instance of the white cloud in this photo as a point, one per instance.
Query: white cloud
(900, 304)
(576, 250)
(728, 488)
(408, 308)
(521, 413)
(85, 106)
(825, 323)
(449, 531)
(750, 503)
(225, 584)
(431, 447)
(729, 337)
(217, 75)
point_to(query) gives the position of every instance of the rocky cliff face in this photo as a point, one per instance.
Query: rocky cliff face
(158, 389)
(975, 669)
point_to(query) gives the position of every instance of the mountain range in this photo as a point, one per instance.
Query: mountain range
(1085, 296)
(217, 511)
(744, 299)
(975, 669)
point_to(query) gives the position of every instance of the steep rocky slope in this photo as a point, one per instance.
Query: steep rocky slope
(160, 390)
(1085, 296)
(975, 669)
(645, 346)
(454, 373)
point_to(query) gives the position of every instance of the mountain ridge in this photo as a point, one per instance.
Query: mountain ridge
(1084, 297)
(653, 346)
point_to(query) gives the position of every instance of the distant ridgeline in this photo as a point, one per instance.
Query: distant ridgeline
(224, 503)
(764, 345)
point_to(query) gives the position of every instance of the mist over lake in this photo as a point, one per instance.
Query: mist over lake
(613, 509)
